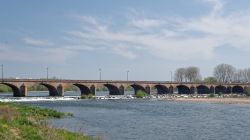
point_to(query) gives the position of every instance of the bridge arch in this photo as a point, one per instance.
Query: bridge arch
(182, 89)
(113, 90)
(220, 89)
(84, 89)
(14, 88)
(138, 88)
(52, 90)
(238, 89)
(161, 89)
(202, 89)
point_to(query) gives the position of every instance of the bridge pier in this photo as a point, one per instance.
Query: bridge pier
(23, 91)
(147, 90)
(60, 90)
(20, 92)
(92, 90)
(121, 90)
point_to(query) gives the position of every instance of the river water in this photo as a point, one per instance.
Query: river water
(151, 119)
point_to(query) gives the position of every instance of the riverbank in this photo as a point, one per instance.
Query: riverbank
(215, 100)
(20, 122)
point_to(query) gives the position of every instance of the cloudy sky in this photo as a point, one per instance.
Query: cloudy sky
(150, 38)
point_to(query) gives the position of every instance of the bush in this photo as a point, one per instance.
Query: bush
(140, 94)
(211, 95)
(87, 96)
(248, 91)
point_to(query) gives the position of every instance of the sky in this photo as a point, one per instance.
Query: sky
(148, 38)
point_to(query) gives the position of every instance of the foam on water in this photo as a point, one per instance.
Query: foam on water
(32, 99)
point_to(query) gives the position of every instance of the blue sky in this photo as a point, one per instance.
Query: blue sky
(74, 38)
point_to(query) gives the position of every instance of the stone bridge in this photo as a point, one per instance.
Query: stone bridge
(56, 87)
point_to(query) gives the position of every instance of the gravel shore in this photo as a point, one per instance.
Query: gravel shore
(216, 100)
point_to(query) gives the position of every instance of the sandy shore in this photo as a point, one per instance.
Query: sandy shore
(216, 100)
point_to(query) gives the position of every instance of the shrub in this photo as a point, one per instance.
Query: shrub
(211, 95)
(140, 94)
(87, 96)
(248, 91)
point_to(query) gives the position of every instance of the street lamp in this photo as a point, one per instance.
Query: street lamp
(2, 72)
(127, 74)
(171, 76)
(100, 70)
(47, 69)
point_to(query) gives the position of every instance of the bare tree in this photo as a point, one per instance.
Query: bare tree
(224, 73)
(192, 74)
(242, 75)
(179, 75)
(248, 74)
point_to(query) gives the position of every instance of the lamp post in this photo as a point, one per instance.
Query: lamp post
(127, 74)
(171, 76)
(47, 69)
(2, 72)
(100, 71)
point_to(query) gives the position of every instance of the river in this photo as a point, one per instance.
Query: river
(148, 119)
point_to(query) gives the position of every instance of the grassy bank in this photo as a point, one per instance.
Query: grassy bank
(22, 122)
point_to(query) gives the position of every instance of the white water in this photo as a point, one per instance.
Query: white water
(31, 99)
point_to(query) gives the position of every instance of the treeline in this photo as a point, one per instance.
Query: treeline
(224, 73)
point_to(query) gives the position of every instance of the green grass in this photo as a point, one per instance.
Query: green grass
(22, 122)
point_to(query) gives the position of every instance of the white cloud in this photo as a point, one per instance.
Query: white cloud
(175, 38)
(35, 55)
(171, 38)
(147, 23)
(37, 42)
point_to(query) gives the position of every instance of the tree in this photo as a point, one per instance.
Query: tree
(210, 80)
(224, 73)
(192, 74)
(241, 75)
(179, 75)
(189, 74)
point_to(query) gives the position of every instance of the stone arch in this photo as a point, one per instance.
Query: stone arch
(238, 89)
(161, 89)
(182, 89)
(84, 89)
(113, 90)
(52, 90)
(138, 88)
(14, 88)
(202, 89)
(220, 89)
